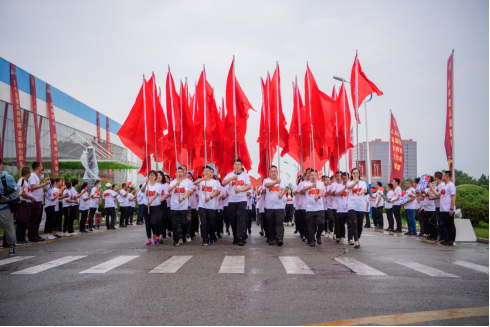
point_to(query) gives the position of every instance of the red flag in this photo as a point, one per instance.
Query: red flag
(210, 124)
(187, 126)
(350, 150)
(277, 116)
(361, 84)
(238, 106)
(299, 133)
(173, 114)
(161, 122)
(344, 119)
(448, 142)
(144, 170)
(396, 150)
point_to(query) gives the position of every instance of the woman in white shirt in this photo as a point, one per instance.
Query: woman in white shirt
(84, 207)
(51, 207)
(389, 208)
(356, 205)
(152, 191)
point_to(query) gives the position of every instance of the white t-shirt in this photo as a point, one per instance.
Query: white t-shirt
(411, 204)
(325, 198)
(50, 201)
(398, 193)
(194, 198)
(289, 200)
(311, 204)
(66, 204)
(164, 189)
(357, 202)
(366, 206)
(446, 193)
(205, 190)
(73, 196)
(261, 200)
(381, 201)
(428, 205)
(272, 200)
(94, 202)
(389, 195)
(132, 204)
(23, 184)
(109, 196)
(38, 193)
(439, 188)
(301, 198)
(224, 191)
(333, 197)
(343, 199)
(141, 198)
(150, 192)
(124, 200)
(220, 201)
(372, 203)
(179, 193)
(243, 181)
(84, 205)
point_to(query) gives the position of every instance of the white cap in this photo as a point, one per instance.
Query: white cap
(108, 185)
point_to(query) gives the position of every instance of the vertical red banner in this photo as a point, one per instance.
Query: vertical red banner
(350, 149)
(396, 150)
(25, 125)
(376, 168)
(108, 140)
(448, 142)
(34, 112)
(361, 166)
(18, 129)
(98, 131)
(55, 170)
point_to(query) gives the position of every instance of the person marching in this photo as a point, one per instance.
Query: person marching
(342, 211)
(163, 206)
(315, 213)
(208, 190)
(193, 201)
(357, 190)
(379, 205)
(84, 207)
(152, 191)
(218, 223)
(327, 207)
(389, 207)
(274, 191)
(181, 189)
(396, 204)
(237, 207)
(24, 215)
(132, 206)
(51, 208)
(94, 204)
(301, 219)
(289, 207)
(108, 198)
(334, 185)
(124, 204)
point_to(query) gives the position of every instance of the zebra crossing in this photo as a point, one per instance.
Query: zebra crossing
(293, 265)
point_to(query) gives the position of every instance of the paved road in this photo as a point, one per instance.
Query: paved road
(112, 278)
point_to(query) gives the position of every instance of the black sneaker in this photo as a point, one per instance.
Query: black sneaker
(397, 231)
(319, 241)
(250, 231)
(312, 244)
(261, 233)
(160, 241)
(280, 243)
(235, 242)
(211, 242)
(219, 236)
(169, 234)
(241, 243)
(271, 242)
(12, 251)
(176, 244)
(295, 232)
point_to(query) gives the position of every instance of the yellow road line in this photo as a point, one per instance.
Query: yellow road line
(411, 318)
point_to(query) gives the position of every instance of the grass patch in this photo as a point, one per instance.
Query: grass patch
(481, 230)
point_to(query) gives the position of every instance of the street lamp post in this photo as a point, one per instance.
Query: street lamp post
(297, 167)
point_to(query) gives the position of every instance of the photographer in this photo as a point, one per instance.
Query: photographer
(9, 192)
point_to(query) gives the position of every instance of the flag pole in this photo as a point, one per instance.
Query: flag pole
(146, 133)
(160, 99)
(344, 95)
(234, 107)
(269, 148)
(357, 116)
(181, 125)
(337, 133)
(173, 119)
(155, 120)
(368, 155)
(299, 124)
(266, 136)
(311, 122)
(204, 113)
(278, 129)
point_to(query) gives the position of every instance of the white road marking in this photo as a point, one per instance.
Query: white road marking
(14, 259)
(423, 269)
(471, 265)
(109, 265)
(171, 265)
(233, 265)
(359, 267)
(48, 265)
(294, 265)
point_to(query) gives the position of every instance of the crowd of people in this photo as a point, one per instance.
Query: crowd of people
(184, 207)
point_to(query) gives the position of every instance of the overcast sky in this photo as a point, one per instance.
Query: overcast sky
(97, 51)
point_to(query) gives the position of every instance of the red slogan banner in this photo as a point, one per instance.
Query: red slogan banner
(55, 170)
(448, 142)
(18, 129)
(34, 111)
(361, 166)
(376, 168)
(396, 150)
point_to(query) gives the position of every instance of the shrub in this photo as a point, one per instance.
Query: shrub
(473, 202)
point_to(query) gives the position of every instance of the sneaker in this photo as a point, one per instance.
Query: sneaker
(155, 239)
(342, 239)
(188, 239)
(296, 232)
(203, 244)
(357, 246)
(250, 231)
(180, 241)
(52, 237)
(312, 244)
(351, 242)
(176, 244)
(337, 240)
(148, 243)
(280, 243)
(261, 233)
(73, 234)
(12, 251)
(319, 241)
(211, 241)
(160, 241)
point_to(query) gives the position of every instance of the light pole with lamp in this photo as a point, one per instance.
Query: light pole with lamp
(285, 172)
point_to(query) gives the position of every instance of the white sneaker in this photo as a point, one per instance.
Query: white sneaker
(341, 239)
(50, 237)
(180, 241)
(188, 239)
(351, 242)
(73, 234)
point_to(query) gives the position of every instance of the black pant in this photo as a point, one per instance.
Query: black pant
(420, 218)
(124, 213)
(151, 220)
(238, 219)
(330, 220)
(91, 215)
(207, 218)
(301, 222)
(58, 224)
(66, 214)
(289, 213)
(264, 223)
(195, 221)
(389, 216)
(354, 223)
(275, 224)
(375, 218)
(226, 217)
(379, 212)
(83, 219)
(50, 217)
(161, 218)
(398, 219)
(314, 223)
(110, 213)
(340, 219)
(179, 223)
(450, 227)
(430, 223)
(218, 222)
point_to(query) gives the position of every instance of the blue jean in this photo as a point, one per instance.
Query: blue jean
(410, 215)
(140, 214)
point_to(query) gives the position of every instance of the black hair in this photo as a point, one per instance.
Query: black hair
(397, 180)
(438, 174)
(68, 185)
(35, 164)
(272, 167)
(379, 184)
(141, 185)
(152, 172)
(448, 173)
(123, 184)
(97, 181)
(180, 167)
(351, 173)
(74, 182)
(25, 171)
(390, 185)
(416, 180)
(84, 185)
(237, 160)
